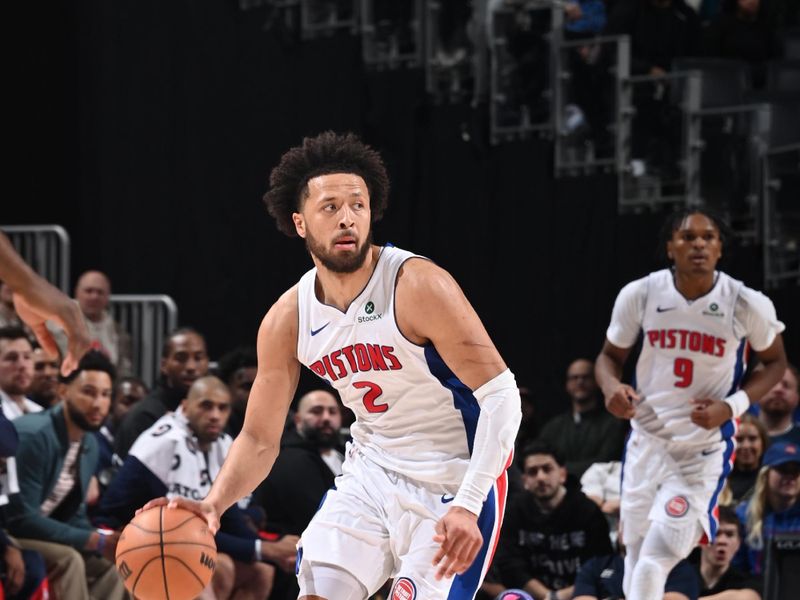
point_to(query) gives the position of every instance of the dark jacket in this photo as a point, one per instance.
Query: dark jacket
(8, 437)
(596, 437)
(143, 414)
(658, 35)
(43, 444)
(550, 547)
(298, 481)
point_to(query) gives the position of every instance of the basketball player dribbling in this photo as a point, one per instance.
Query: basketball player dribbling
(423, 488)
(696, 325)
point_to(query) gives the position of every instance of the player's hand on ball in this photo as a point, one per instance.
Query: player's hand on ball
(709, 414)
(459, 538)
(204, 510)
(620, 402)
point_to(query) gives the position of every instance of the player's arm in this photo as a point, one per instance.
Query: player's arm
(710, 413)
(626, 323)
(254, 450)
(608, 366)
(432, 308)
(37, 301)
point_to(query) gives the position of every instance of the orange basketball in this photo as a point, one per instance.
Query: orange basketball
(166, 553)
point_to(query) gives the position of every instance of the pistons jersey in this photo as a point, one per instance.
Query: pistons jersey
(413, 416)
(691, 349)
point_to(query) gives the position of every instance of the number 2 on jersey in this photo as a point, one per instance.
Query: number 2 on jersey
(684, 370)
(374, 391)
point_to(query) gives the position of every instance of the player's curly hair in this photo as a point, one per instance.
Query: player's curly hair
(326, 153)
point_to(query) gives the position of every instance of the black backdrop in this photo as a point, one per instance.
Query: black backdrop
(148, 129)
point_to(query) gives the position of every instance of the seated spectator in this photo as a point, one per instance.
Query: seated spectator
(93, 293)
(8, 312)
(602, 483)
(778, 407)
(23, 571)
(588, 433)
(584, 18)
(180, 455)
(744, 30)
(184, 359)
(55, 461)
(549, 530)
(601, 578)
(774, 506)
(311, 447)
(718, 579)
(238, 370)
(751, 442)
(128, 392)
(660, 30)
(44, 386)
(16, 373)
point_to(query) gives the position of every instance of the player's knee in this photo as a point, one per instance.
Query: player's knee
(678, 541)
(322, 581)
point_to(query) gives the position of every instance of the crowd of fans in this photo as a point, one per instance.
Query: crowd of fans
(81, 453)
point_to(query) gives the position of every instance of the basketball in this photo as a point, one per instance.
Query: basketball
(166, 553)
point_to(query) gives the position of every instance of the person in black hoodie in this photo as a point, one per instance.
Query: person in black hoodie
(549, 530)
(184, 359)
(311, 448)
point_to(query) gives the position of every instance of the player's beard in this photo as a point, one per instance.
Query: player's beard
(344, 263)
(79, 419)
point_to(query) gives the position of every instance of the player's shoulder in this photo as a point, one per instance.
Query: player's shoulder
(754, 299)
(419, 275)
(283, 313)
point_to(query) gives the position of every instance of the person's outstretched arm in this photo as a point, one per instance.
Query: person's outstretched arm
(37, 301)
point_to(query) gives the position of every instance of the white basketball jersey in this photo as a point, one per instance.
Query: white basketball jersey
(691, 349)
(413, 416)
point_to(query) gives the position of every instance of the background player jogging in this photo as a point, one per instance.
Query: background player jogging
(696, 324)
(423, 491)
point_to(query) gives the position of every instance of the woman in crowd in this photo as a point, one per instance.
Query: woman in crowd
(751, 443)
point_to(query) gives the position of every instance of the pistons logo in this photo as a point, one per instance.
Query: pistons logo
(404, 589)
(677, 506)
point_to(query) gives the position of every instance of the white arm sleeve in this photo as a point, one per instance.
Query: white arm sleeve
(754, 317)
(496, 431)
(626, 318)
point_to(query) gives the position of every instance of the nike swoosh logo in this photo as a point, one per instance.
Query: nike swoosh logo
(707, 452)
(447, 498)
(316, 331)
(659, 309)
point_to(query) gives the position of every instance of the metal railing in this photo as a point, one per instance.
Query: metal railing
(149, 318)
(45, 248)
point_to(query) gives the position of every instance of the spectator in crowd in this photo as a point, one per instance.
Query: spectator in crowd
(549, 530)
(310, 448)
(601, 579)
(601, 483)
(44, 386)
(778, 407)
(23, 570)
(745, 30)
(238, 369)
(184, 359)
(660, 30)
(718, 579)
(16, 373)
(588, 433)
(751, 442)
(8, 314)
(180, 455)
(128, 392)
(93, 293)
(56, 459)
(584, 18)
(774, 506)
